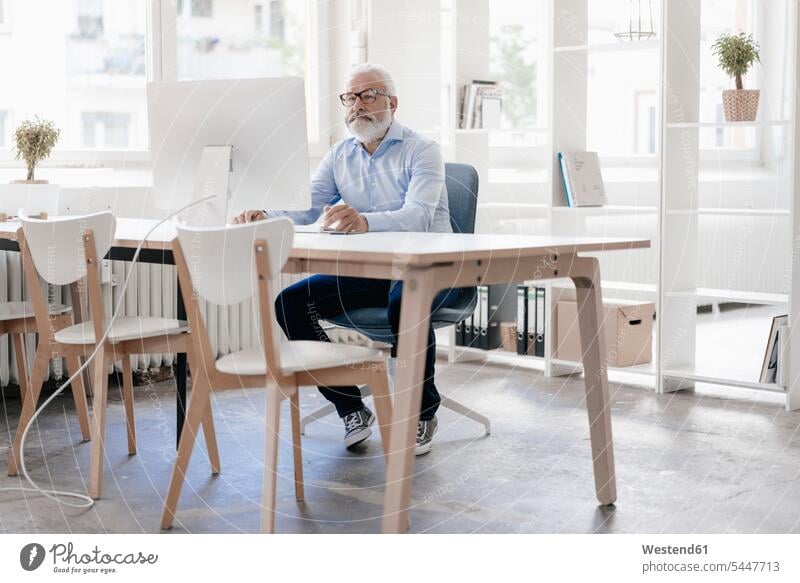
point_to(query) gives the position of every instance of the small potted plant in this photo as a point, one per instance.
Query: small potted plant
(35, 139)
(737, 53)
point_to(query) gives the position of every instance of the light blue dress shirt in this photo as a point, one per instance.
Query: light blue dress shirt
(398, 188)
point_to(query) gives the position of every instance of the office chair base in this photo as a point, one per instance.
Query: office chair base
(447, 403)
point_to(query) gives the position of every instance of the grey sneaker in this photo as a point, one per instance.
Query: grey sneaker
(425, 431)
(356, 426)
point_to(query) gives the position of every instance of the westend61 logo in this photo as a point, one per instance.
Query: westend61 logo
(66, 560)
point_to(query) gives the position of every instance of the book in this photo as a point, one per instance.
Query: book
(490, 105)
(583, 180)
(470, 114)
(769, 365)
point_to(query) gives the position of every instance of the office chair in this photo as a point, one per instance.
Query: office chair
(462, 197)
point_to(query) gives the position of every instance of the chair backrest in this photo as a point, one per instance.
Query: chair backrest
(462, 196)
(462, 199)
(57, 246)
(221, 263)
(221, 260)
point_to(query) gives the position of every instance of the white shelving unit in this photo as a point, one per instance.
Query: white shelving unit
(678, 175)
(679, 289)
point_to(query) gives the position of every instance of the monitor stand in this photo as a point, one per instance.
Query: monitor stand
(216, 165)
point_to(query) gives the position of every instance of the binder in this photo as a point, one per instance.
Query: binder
(476, 325)
(497, 295)
(540, 311)
(531, 320)
(460, 333)
(483, 303)
(522, 319)
(468, 331)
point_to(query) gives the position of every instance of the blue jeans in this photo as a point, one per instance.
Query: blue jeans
(320, 297)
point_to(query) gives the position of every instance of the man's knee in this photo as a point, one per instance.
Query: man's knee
(290, 304)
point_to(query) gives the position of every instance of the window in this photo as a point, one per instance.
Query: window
(258, 18)
(89, 60)
(622, 85)
(276, 20)
(514, 52)
(228, 46)
(93, 83)
(3, 117)
(106, 129)
(5, 20)
(222, 45)
(645, 130)
(90, 19)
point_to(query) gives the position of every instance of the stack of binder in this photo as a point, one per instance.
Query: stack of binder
(530, 320)
(482, 329)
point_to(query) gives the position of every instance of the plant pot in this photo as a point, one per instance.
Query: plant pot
(29, 182)
(740, 104)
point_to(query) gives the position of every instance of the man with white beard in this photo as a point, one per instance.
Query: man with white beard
(388, 178)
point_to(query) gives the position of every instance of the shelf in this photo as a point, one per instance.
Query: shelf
(524, 205)
(731, 212)
(725, 295)
(610, 47)
(719, 378)
(607, 209)
(647, 368)
(727, 124)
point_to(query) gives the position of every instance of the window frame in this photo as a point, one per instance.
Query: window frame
(161, 64)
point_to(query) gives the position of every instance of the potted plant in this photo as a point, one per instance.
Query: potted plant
(737, 53)
(35, 139)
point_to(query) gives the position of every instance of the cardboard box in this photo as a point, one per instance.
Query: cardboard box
(628, 331)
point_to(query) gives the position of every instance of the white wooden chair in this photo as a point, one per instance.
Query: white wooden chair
(226, 266)
(63, 251)
(17, 319)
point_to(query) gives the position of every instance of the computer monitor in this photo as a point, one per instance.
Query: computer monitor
(243, 141)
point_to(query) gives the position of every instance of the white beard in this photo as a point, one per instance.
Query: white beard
(367, 131)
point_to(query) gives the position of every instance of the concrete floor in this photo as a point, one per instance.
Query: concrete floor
(686, 463)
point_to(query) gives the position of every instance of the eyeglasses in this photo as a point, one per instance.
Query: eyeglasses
(367, 96)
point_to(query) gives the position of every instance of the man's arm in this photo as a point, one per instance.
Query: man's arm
(422, 198)
(323, 192)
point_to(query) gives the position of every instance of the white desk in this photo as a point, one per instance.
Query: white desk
(428, 263)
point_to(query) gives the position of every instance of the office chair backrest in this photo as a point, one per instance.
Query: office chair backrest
(462, 196)
(57, 246)
(221, 260)
(462, 200)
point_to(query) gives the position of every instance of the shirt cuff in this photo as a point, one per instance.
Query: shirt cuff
(377, 222)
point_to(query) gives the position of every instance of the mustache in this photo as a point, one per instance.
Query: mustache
(361, 114)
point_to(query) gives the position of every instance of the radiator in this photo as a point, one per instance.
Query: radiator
(151, 292)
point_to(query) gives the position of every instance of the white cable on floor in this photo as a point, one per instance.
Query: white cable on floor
(57, 495)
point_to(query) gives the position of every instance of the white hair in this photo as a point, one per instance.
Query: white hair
(369, 68)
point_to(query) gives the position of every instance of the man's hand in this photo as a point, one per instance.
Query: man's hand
(346, 219)
(249, 217)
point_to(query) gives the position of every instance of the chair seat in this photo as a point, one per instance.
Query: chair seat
(124, 328)
(296, 356)
(16, 310)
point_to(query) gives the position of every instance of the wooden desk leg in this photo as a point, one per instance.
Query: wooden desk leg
(585, 273)
(415, 312)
